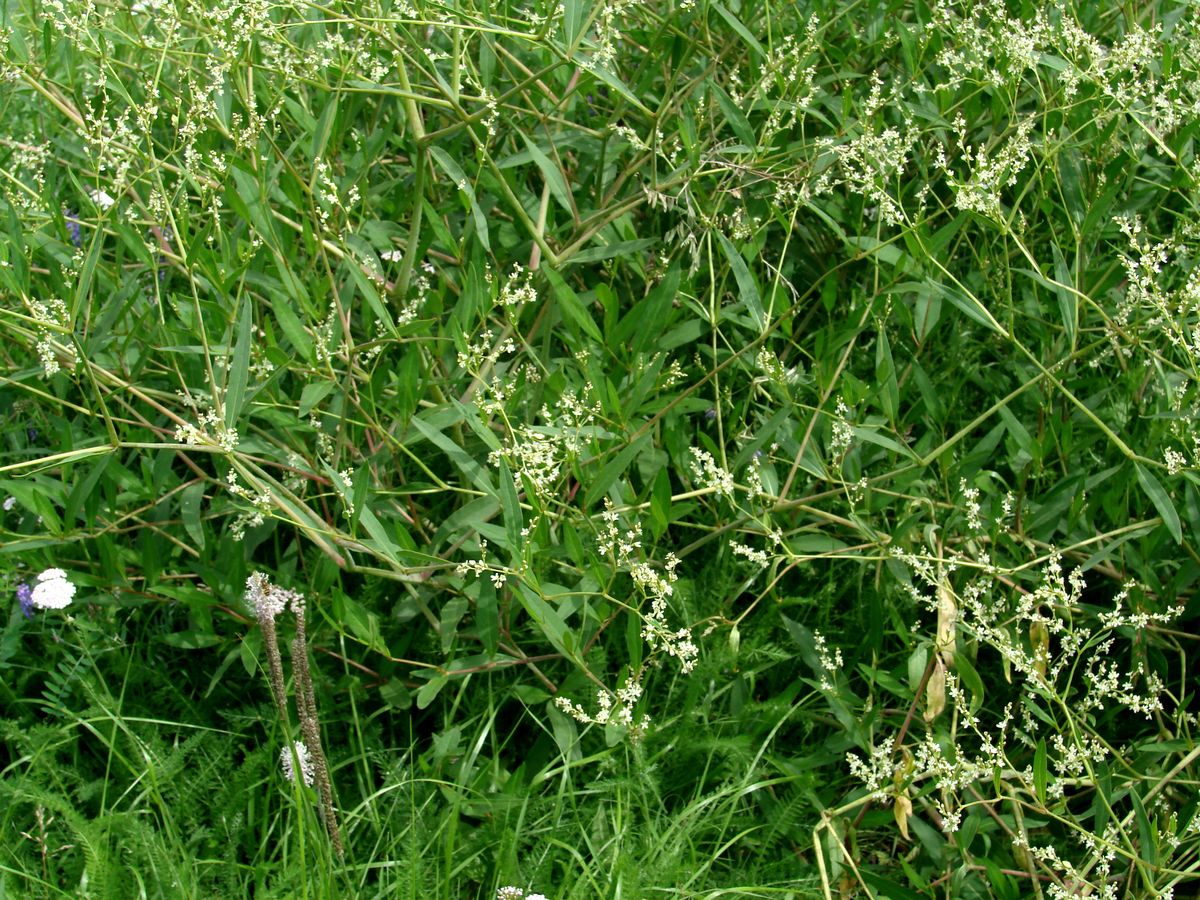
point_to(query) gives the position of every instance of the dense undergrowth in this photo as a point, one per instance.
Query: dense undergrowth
(725, 448)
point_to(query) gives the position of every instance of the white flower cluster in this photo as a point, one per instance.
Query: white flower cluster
(774, 370)
(327, 336)
(624, 546)
(538, 452)
(52, 315)
(423, 286)
(53, 590)
(475, 566)
(843, 434)
(990, 173)
(758, 557)
(492, 112)
(346, 490)
(872, 162)
(260, 505)
(754, 477)
(532, 453)
(1040, 637)
(831, 663)
(481, 352)
(655, 630)
(324, 190)
(1120, 617)
(1160, 310)
(308, 769)
(612, 708)
(480, 566)
(788, 70)
(27, 161)
(981, 44)
(875, 771)
(517, 291)
(268, 600)
(208, 430)
(608, 33)
(199, 434)
(712, 476)
(971, 497)
(573, 416)
(657, 586)
(632, 136)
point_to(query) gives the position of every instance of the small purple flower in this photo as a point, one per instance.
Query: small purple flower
(25, 598)
(710, 413)
(73, 227)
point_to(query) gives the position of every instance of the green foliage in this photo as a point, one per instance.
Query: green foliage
(729, 448)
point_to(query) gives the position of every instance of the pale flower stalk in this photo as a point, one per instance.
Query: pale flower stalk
(306, 703)
(268, 602)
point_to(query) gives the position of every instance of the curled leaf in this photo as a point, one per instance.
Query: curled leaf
(947, 613)
(935, 691)
(902, 809)
(1039, 639)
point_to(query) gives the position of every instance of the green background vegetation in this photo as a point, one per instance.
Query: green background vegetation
(355, 293)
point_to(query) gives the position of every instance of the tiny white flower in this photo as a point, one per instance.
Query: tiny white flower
(9, 503)
(53, 590)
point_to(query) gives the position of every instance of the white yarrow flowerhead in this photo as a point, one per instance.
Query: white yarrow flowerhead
(307, 769)
(516, 893)
(53, 590)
